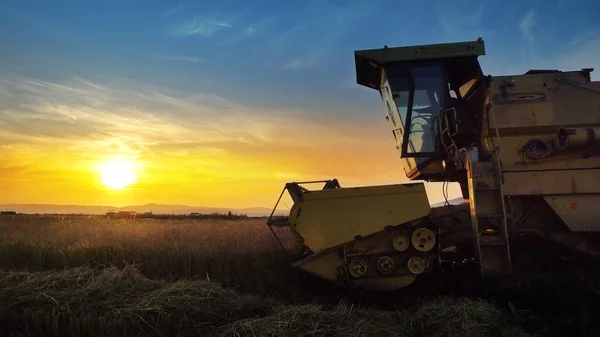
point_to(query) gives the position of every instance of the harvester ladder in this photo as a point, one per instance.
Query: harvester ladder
(488, 217)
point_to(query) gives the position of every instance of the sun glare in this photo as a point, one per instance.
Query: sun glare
(118, 173)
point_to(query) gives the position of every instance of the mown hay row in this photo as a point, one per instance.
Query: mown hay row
(111, 301)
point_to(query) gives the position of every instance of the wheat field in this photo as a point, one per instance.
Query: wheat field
(92, 276)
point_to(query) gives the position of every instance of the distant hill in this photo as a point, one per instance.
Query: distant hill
(154, 208)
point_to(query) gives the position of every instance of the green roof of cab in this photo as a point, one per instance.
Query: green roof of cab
(368, 62)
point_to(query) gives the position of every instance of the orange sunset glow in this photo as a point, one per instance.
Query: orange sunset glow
(202, 104)
(94, 151)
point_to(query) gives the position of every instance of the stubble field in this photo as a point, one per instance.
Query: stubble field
(92, 276)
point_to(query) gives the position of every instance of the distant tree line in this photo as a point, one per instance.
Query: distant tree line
(224, 216)
(133, 215)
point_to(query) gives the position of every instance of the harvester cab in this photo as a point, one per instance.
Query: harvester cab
(432, 96)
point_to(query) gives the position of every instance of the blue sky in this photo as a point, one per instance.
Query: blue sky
(276, 52)
(186, 76)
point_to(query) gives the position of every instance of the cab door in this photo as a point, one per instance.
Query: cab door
(396, 116)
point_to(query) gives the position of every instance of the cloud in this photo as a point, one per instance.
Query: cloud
(249, 29)
(200, 26)
(572, 53)
(75, 111)
(508, 53)
(177, 58)
(175, 10)
(315, 23)
(472, 20)
(526, 26)
(304, 62)
(287, 35)
(327, 22)
(582, 53)
(93, 121)
(209, 20)
(198, 146)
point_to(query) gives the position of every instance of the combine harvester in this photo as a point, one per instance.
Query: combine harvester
(524, 149)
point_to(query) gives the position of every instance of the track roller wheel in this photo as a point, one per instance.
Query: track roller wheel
(385, 265)
(423, 239)
(400, 242)
(357, 268)
(416, 265)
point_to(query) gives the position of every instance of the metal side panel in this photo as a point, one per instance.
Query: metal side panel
(580, 212)
(327, 218)
(325, 265)
(551, 182)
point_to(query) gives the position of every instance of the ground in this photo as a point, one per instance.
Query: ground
(92, 276)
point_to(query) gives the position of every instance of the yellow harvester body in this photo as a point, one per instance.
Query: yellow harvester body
(525, 150)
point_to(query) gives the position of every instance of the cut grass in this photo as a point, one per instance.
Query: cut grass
(110, 302)
(83, 302)
(440, 317)
(90, 276)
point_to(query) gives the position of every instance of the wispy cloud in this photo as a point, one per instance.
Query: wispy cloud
(287, 34)
(583, 53)
(177, 58)
(175, 10)
(209, 20)
(93, 121)
(326, 22)
(75, 111)
(283, 40)
(304, 62)
(526, 27)
(252, 28)
(200, 26)
(584, 37)
(472, 20)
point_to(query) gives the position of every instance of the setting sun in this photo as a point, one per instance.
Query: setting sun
(117, 173)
